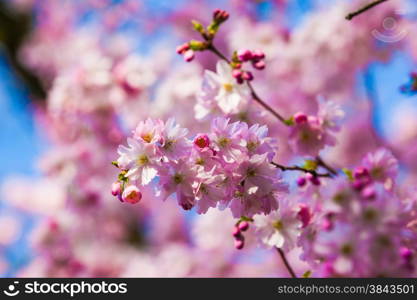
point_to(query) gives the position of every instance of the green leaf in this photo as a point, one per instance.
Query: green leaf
(348, 173)
(310, 165)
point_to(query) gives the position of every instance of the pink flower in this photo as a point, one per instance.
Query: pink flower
(221, 91)
(139, 159)
(228, 139)
(279, 229)
(173, 143)
(382, 166)
(149, 131)
(178, 177)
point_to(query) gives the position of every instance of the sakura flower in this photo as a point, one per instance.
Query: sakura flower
(174, 144)
(311, 133)
(279, 229)
(259, 142)
(139, 159)
(308, 138)
(208, 190)
(178, 177)
(228, 139)
(382, 166)
(220, 90)
(149, 131)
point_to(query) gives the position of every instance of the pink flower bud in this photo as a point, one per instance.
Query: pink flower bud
(300, 118)
(244, 226)
(301, 181)
(315, 180)
(220, 15)
(236, 232)
(358, 184)
(247, 76)
(260, 65)
(131, 194)
(116, 188)
(368, 192)
(244, 55)
(202, 141)
(258, 54)
(239, 244)
(182, 48)
(327, 224)
(188, 55)
(304, 214)
(406, 253)
(237, 73)
(361, 172)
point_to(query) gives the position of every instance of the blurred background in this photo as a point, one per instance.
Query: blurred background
(21, 93)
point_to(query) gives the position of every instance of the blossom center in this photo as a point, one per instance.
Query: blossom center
(147, 137)
(347, 249)
(228, 87)
(178, 178)
(252, 146)
(142, 160)
(278, 225)
(223, 142)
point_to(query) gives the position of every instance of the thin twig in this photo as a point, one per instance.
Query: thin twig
(321, 163)
(297, 168)
(255, 96)
(364, 9)
(286, 263)
(265, 105)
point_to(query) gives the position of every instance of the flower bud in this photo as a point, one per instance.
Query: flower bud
(300, 118)
(304, 214)
(236, 232)
(189, 55)
(368, 192)
(244, 225)
(182, 48)
(258, 55)
(239, 244)
(202, 141)
(116, 188)
(247, 76)
(260, 65)
(131, 194)
(220, 16)
(237, 73)
(406, 253)
(361, 172)
(301, 181)
(244, 55)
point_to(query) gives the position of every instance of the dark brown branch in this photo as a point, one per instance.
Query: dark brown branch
(364, 9)
(297, 168)
(324, 165)
(286, 263)
(265, 105)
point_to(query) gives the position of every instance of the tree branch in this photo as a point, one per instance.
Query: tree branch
(286, 263)
(364, 9)
(297, 168)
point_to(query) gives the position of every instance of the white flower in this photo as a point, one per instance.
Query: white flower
(280, 228)
(221, 91)
(139, 159)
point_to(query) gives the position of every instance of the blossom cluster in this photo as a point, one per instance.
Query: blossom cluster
(229, 167)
